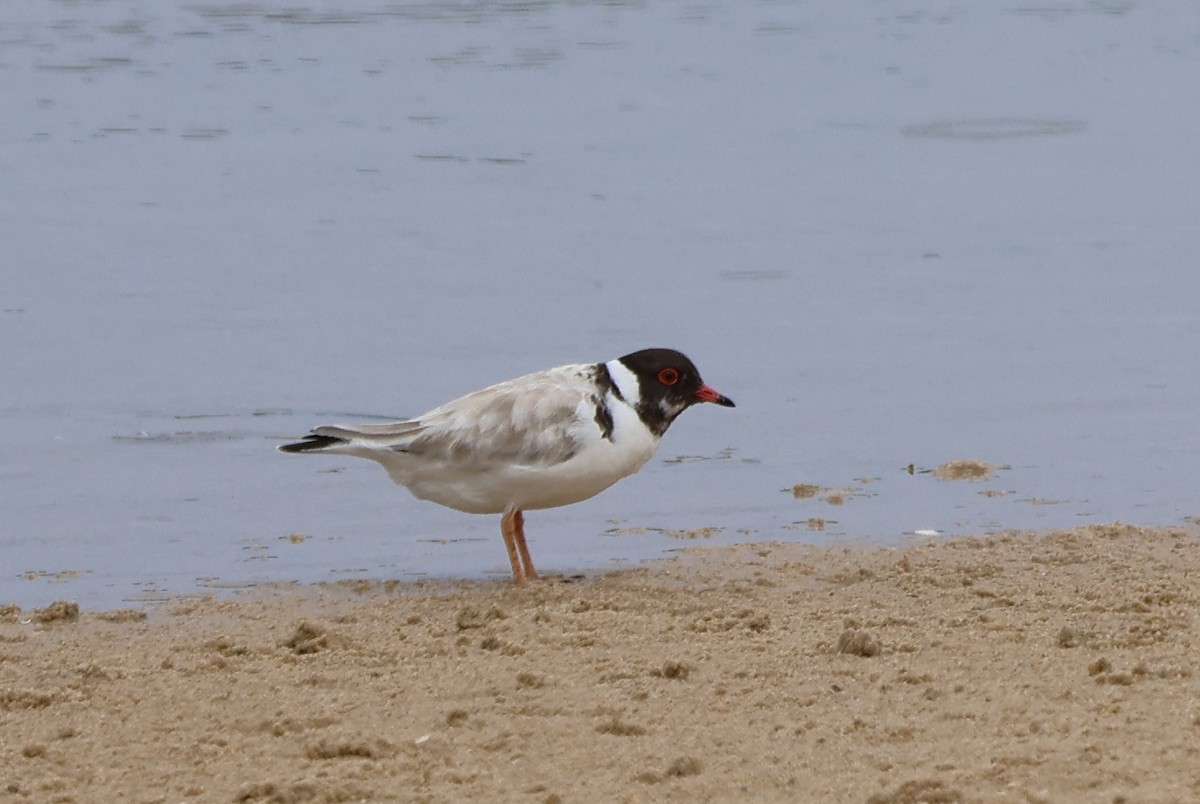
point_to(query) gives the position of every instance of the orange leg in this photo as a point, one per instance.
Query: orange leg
(508, 528)
(522, 548)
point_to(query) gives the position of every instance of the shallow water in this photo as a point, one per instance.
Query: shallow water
(894, 235)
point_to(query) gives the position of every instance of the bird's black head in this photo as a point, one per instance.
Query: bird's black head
(668, 384)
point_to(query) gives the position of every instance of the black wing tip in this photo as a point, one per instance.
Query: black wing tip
(311, 443)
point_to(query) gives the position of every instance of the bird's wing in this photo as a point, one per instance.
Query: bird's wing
(530, 421)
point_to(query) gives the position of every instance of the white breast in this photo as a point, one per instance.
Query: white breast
(600, 461)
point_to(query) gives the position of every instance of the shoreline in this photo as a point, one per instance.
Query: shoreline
(1031, 667)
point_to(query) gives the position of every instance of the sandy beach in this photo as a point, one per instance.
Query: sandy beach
(1035, 668)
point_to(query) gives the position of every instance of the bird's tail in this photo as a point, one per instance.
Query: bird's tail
(313, 443)
(339, 437)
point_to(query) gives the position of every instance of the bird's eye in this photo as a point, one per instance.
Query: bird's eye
(668, 376)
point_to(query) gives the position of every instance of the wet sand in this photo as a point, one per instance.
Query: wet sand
(1050, 668)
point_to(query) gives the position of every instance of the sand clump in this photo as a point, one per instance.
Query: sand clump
(858, 643)
(60, 611)
(832, 496)
(965, 470)
(1057, 667)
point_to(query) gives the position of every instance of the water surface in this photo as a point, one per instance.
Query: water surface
(894, 234)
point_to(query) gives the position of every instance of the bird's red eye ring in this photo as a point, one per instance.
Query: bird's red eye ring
(668, 376)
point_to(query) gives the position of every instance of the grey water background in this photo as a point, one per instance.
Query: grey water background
(894, 233)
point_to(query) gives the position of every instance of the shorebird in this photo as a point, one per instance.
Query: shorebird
(546, 439)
